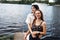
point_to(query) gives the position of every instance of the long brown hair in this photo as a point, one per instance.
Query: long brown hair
(40, 17)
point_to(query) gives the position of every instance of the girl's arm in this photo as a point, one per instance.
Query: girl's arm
(44, 28)
(29, 27)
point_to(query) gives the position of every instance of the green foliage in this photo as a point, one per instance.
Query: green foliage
(23, 1)
(6, 37)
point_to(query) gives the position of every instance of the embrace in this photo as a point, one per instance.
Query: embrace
(36, 24)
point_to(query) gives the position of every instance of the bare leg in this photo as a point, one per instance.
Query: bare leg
(40, 36)
(33, 36)
(26, 34)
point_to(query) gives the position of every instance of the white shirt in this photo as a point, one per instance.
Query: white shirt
(30, 18)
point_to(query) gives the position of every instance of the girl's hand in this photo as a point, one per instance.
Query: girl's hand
(35, 32)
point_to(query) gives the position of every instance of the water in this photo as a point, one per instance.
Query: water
(13, 16)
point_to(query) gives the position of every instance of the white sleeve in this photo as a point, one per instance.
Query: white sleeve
(28, 20)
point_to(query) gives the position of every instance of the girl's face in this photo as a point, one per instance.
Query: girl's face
(38, 14)
(33, 9)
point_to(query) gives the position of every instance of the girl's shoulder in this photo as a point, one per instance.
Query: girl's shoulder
(43, 23)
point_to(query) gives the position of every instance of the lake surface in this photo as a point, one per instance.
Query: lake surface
(13, 16)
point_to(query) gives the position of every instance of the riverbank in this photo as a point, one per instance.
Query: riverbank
(23, 2)
(30, 2)
(15, 36)
(20, 36)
